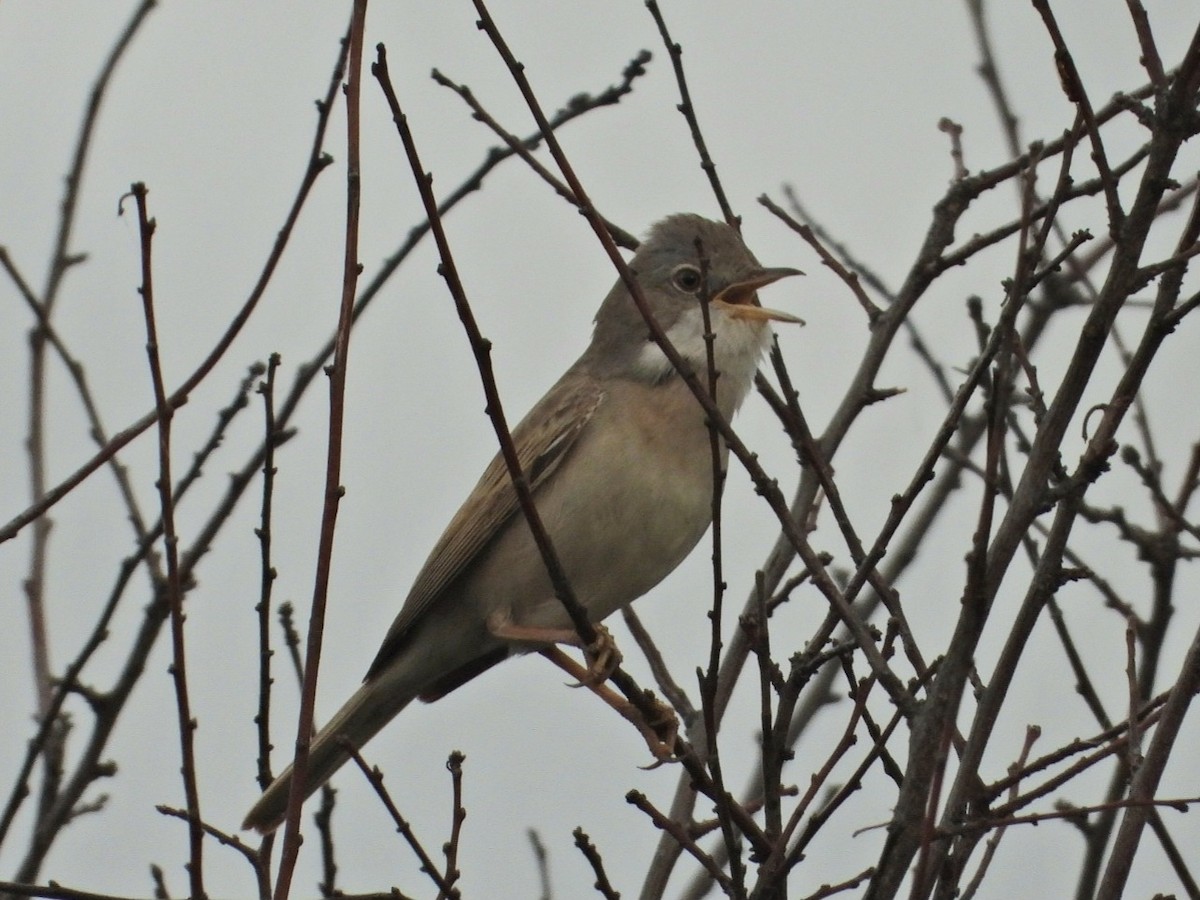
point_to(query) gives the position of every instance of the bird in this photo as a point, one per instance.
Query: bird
(618, 458)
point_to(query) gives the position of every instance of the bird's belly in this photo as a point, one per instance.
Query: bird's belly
(634, 537)
(622, 513)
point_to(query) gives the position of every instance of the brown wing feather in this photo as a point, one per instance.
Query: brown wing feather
(542, 440)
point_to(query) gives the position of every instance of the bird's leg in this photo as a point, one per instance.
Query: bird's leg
(602, 654)
(658, 731)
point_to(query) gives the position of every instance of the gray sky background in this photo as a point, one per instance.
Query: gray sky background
(213, 109)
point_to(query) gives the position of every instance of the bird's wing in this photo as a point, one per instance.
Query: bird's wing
(542, 440)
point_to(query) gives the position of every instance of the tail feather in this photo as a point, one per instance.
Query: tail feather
(362, 716)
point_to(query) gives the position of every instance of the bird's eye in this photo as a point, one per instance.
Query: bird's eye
(686, 278)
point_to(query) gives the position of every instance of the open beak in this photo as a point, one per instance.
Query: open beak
(740, 299)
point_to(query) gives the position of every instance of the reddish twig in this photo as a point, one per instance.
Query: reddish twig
(333, 466)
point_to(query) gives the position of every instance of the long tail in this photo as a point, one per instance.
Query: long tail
(370, 708)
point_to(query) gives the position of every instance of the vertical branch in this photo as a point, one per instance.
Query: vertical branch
(771, 755)
(1133, 744)
(263, 719)
(588, 849)
(709, 685)
(708, 678)
(333, 465)
(323, 820)
(1072, 85)
(454, 766)
(187, 725)
(1145, 782)
(60, 261)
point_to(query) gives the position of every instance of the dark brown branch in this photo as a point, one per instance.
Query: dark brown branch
(403, 827)
(579, 105)
(458, 815)
(482, 348)
(333, 490)
(592, 855)
(178, 669)
(262, 720)
(850, 279)
(681, 836)
(675, 51)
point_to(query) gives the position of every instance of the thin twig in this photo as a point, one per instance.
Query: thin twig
(187, 724)
(333, 466)
(62, 259)
(267, 577)
(542, 859)
(317, 162)
(580, 104)
(681, 836)
(675, 51)
(428, 866)
(592, 855)
(458, 814)
(1074, 90)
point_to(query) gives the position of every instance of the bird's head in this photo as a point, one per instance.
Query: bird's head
(688, 262)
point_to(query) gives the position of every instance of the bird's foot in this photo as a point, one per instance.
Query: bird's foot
(603, 658)
(659, 728)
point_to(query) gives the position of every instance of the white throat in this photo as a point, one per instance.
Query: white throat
(737, 349)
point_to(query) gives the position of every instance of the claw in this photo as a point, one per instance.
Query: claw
(660, 732)
(603, 658)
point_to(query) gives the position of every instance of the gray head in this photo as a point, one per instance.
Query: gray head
(668, 267)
